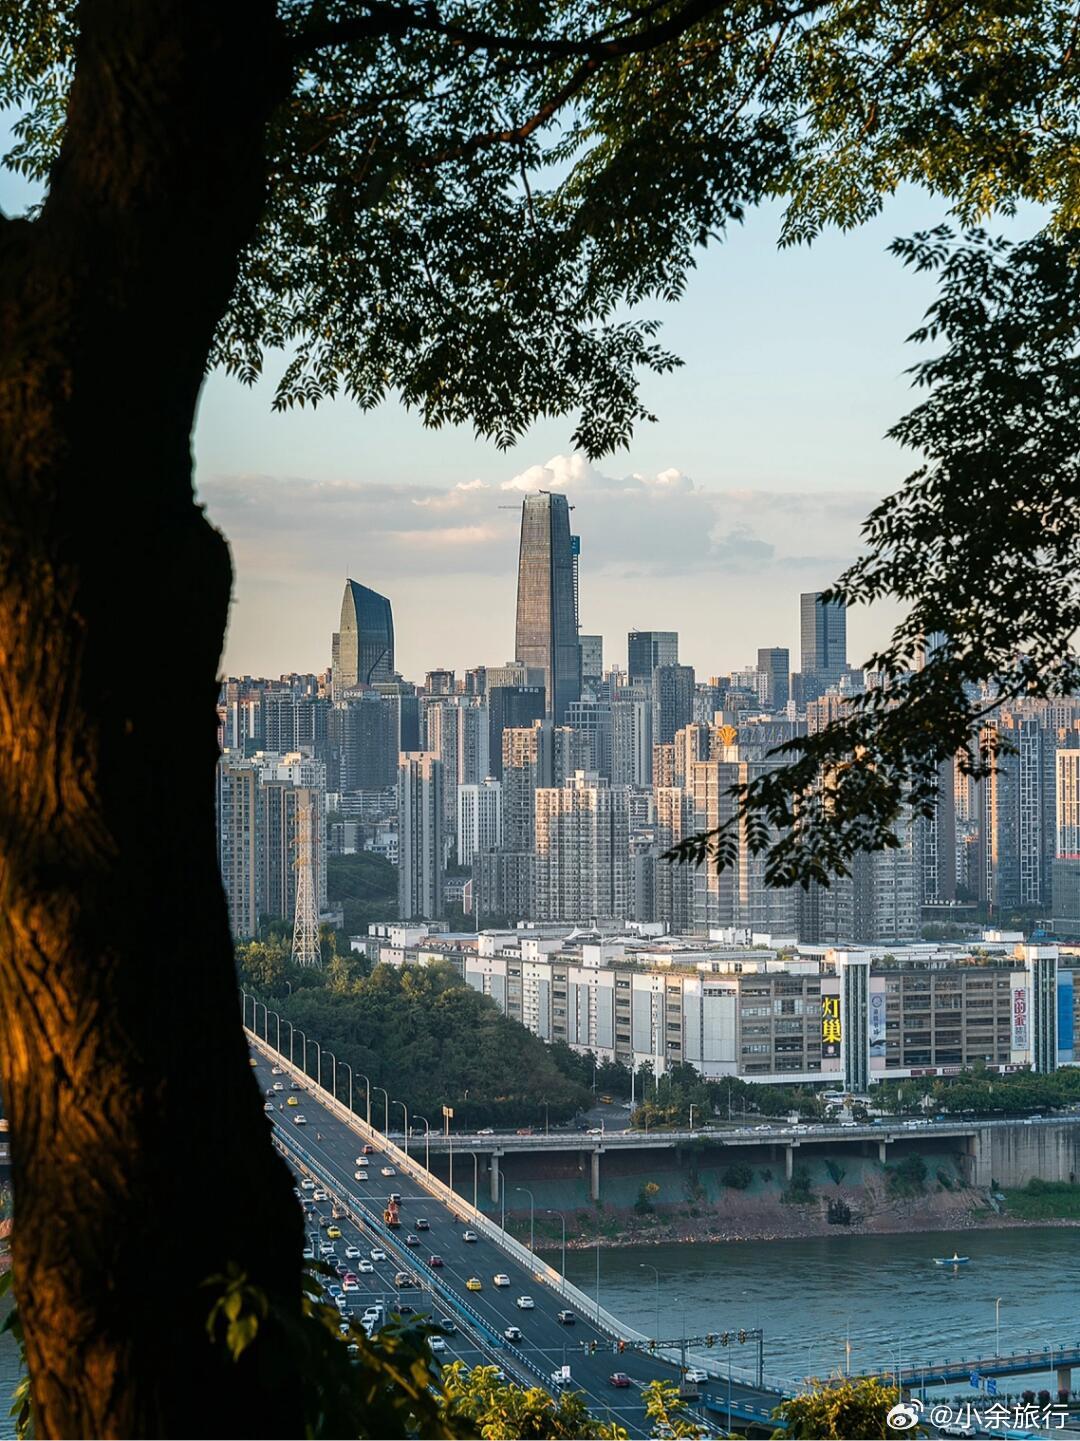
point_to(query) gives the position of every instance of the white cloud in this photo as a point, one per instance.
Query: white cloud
(657, 550)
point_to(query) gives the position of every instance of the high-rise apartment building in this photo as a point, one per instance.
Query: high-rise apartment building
(421, 865)
(237, 837)
(592, 660)
(646, 649)
(775, 665)
(823, 636)
(582, 868)
(479, 819)
(631, 743)
(363, 646)
(364, 733)
(526, 767)
(547, 635)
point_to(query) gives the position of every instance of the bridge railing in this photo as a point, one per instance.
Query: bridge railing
(603, 1319)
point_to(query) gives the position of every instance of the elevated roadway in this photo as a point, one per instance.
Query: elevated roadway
(325, 1149)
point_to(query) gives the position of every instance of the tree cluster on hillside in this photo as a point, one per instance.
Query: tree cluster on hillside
(419, 1031)
(364, 885)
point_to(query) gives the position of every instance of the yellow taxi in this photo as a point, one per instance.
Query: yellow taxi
(294, 1101)
(474, 1283)
(334, 1233)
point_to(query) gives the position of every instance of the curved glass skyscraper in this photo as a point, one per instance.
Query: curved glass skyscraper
(364, 645)
(546, 612)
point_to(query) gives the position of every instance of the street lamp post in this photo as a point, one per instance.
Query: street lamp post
(997, 1327)
(475, 1178)
(292, 1036)
(386, 1102)
(303, 1064)
(349, 1069)
(405, 1108)
(562, 1219)
(333, 1073)
(646, 1266)
(367, 1084)
(318, 1063)
(532, 1216)
(691, 1118)
(255, 1017)
(427, 1142)
(278, 1019)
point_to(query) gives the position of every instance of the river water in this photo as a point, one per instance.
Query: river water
(882, 1293)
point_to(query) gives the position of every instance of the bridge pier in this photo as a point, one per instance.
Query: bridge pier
(789, 1162)
(495, 1177)
(881, 1151)
(594, 1176)
(1064, 1378)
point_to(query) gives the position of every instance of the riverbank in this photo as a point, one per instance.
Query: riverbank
(871, 1211)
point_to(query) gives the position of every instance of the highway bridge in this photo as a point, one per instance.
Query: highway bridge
(325, 1148)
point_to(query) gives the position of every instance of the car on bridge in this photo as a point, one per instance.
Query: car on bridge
(367, 1149)
(334, 1232)
(619, 1378)
(293, 1101)
(500, 1279)
(377, 1253)
(695, 1375)
(422, 1223)
(513, 1333)
(268, 1107)
(566, 1318)
(469, 1236)
(447, 1327)
(435, 1261)
(411, 1240)
(307, 1184)
(360, 1176)
(474, 1283)
(388, 1171)
(352, 1251)
(525, 1303)
(295, 1086)
(275, 1070)
(404, 1278)
(364, 1268)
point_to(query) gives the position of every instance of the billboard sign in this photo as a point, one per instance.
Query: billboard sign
(877, 1023)
(1020, 1033)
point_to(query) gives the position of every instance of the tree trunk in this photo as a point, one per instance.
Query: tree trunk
(141, 1163)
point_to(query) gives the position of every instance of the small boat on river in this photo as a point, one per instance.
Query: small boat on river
(953, 1260)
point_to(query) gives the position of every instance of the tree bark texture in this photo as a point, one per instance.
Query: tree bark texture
(141, 1162)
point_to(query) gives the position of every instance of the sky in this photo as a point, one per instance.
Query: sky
(768, 451)
(767, 454)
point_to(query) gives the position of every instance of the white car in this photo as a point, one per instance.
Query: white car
(502, 1279)
(269, 1108)
(320, 1195)
(436, 1343)
(357, 1175)
(351, 1252)
(525, 1303)
(696, 1374)
(326, 1248)
(377, 1253)
(299, 1120)
(307, 1184)
(275, 1070)
(279, 1085)
(388, 1171)
(348, 1285)
(364, 1268)
(468, 1235)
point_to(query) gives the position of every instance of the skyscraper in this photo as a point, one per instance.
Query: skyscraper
(646, 649)
(672, 701)
(823, 636)
(582, 851)
(775, 666)
(546, 612)
(363, 649)
(420, 836)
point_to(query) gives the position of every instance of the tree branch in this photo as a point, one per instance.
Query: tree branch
(395, 20)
